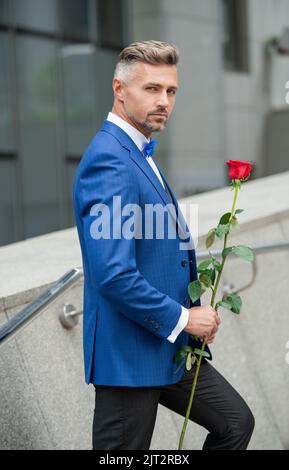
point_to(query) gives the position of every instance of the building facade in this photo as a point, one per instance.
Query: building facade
(57, 59)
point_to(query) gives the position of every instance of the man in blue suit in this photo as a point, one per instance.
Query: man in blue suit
(137, 312)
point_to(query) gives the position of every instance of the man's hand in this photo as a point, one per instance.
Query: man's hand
(204, 322)
(209, 339)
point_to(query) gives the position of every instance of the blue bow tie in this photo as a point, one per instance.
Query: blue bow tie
(149, 148)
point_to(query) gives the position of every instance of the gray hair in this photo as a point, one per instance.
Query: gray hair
(149, 52)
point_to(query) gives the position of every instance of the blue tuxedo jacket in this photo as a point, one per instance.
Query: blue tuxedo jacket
(133, 288)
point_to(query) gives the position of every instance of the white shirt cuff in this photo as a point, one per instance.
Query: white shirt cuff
(182, 323)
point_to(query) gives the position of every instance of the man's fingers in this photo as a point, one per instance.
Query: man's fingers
(214, 330)
(210, 339)
(217, 318)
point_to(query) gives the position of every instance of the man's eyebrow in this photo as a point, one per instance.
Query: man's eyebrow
(159, 85)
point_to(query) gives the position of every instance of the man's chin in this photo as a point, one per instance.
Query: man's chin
(159, 128)
(156, 127)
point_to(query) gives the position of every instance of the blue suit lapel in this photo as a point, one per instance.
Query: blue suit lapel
(140, 160)
(190, 245)
(137, 157)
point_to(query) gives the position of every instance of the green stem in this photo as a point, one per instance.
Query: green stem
(236, 186)
(191, 399)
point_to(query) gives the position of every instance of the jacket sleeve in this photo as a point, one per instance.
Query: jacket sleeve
(112, 259)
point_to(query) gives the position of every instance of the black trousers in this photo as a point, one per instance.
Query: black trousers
(124, 417)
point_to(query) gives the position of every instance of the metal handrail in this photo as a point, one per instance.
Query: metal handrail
(256, 248)
(16, 324)
(22, 319)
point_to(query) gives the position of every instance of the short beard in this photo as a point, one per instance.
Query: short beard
(149, 127)
(146, 125)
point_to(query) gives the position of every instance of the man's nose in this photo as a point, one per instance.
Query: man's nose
(163, 100)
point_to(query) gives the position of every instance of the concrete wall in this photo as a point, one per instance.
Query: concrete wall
(45, 403)
(277, 141)
(249, 97)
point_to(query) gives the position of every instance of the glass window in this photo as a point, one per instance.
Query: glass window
(88, 94)
(235, 36)
(5, 11)
(71, 167)
(41, 15)
(8, 190)
(79, 84)
(39, 139)
(6, 116)
(110, 23)
(74, 18)
(70, 18)
(104, 68)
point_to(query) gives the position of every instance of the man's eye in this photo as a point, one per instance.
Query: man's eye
(151, 88)
(172, 92)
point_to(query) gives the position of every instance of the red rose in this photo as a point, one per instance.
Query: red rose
(239, 170)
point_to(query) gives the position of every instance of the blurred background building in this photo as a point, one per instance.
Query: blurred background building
(56, 63)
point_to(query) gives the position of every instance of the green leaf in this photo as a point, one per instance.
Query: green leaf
(234, 222)
(206, 279)
(212, 274)
(196, 338)
(222, 230)
(210, 238)
(179, 356)
(235, 301)
(244, 252)
(217, 265)
(195, 290)
(224, 303)
(186, 348)
(225, 218)
(238, 211)
(232, 302)
(200, 353)
(204, 265)
(203, 288)
(189, 362)
(226, 251)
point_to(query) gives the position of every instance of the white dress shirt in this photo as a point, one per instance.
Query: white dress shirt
(140, 140)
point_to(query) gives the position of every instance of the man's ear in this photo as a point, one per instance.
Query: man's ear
(118, 89)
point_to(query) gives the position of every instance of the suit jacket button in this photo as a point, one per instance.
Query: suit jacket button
(184, 263)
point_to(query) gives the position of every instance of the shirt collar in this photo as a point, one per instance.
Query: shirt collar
(137, 136)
